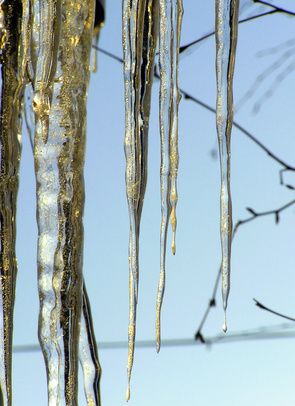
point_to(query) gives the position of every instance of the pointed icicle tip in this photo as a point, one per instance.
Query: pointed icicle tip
(224, 326)
(127, 397)
(158, 327)
(173, 247)
(158, 346)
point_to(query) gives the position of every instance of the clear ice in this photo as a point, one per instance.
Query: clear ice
(60, 53)
(226, 30)
(11, 88)
(169, 38)
(140, 28)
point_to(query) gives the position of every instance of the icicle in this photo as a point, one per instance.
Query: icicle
(88, 354)
(59, 158)
(177, 12)
(48, 16)
(140, 30)
(227, 12)
(98, 24)
(11, 85)
(170, 25)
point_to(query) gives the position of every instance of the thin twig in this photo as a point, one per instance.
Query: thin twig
(254, 215)
(261, 306)
(276, 8)
(183, 48)
(282, 181)
(286, 167)
(280, 161)
(206, 106)
(107, 53)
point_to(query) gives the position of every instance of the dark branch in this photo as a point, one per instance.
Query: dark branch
(276, 8)
(261, 306)
(183, 48)
(107, 53)
(254, 216)
(188, 96)
(282, 180)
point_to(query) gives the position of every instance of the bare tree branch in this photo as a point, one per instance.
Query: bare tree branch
(261, 306)
(254, 216)
(206, 106)
(276, 8)
(280, 161)
(282, 181)
(183, 48)
(107, 53)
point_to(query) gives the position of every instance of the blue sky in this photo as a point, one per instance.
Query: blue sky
(263, 262)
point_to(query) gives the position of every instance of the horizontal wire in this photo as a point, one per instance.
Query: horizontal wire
(266, 333)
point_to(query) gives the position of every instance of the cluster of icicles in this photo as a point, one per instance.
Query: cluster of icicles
(45, 49)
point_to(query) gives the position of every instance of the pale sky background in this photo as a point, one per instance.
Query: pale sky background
(263, 261)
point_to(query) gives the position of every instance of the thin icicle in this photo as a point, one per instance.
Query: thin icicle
(59, 161)
(98, 24)
(11, 85)
(165, 103)
(227, 12)
(48, 38)
(170, 26)
(139, 43)
(177, 12)
(150, 39)
(88, 354)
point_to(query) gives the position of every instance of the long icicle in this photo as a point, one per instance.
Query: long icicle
(177, 12)
(139, 50)
(59, 160)
(170, 25)
(132, 12)
(88, 354)
(11, 91)
(227, 12)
